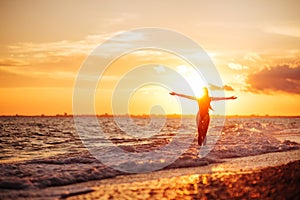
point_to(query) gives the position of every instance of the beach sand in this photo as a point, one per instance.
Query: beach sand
(267, 176)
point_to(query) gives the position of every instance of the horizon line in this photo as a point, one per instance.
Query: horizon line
(145, 115)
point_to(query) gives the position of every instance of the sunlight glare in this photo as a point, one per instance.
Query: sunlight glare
(199, 93)
(193, 78)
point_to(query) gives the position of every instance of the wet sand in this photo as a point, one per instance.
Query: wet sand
(270, 183)
(266, 176)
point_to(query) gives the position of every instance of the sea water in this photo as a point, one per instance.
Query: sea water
(27, 138)
(49, 151)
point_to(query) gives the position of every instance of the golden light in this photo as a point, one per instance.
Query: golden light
(193, 79)
(200, 94)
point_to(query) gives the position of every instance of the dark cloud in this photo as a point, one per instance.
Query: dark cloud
(281, 78)
(225, 87)
(228, 88)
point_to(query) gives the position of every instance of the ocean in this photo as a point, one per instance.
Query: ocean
(28, 138)
(52, 152)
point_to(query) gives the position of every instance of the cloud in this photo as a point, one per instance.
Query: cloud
(45, 64)
(10, 79)
(283, 78)
(159, 69)
(84, 46)
(253, 57)
(50, 55)
(291, 30)
(228, 88)
(236, 66)
(8, 62)
(225, 87)
(58, 48)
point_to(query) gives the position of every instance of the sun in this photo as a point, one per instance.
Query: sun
(200, 93)
(193, 78)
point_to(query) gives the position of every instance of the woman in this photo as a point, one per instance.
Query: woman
(203, 113)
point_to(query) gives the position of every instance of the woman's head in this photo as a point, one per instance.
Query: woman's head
(205, 91)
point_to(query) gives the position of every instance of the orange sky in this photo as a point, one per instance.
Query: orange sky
(255, 46)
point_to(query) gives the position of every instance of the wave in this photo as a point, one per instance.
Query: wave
(55, 155)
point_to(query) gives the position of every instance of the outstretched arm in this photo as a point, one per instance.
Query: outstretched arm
(184, 96)
(222, 98)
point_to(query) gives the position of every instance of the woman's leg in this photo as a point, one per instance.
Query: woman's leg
(200, 129)
(206, 120)
(202, 123)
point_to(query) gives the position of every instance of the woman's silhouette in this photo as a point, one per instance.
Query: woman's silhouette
(203, 113)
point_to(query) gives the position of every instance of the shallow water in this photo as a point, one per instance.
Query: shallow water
(28, 138)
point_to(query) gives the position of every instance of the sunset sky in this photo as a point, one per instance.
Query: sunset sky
(255, 45)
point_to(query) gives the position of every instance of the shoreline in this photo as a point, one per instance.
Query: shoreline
(184, 183)
(281, 182)
(272, 182)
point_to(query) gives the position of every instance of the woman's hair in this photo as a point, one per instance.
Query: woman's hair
(205, 91)
(206, 97)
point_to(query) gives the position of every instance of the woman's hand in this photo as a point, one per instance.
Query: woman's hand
(172, 93)
(233, 97)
